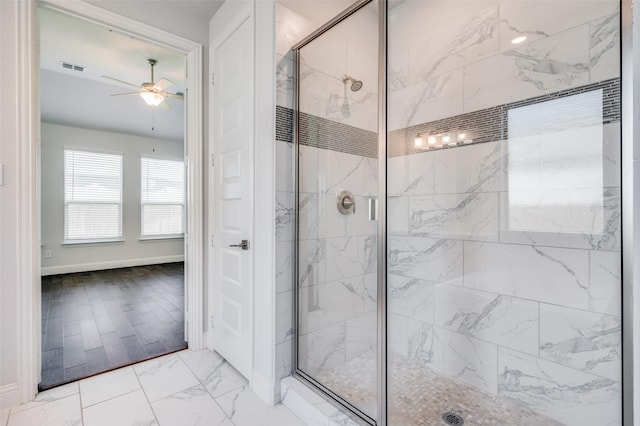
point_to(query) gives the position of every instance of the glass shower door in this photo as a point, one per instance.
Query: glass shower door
(504, 266)
(337, 183)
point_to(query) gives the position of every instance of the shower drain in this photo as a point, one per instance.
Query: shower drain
(452, 418)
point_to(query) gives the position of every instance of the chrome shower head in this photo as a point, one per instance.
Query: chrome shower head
(355, 84)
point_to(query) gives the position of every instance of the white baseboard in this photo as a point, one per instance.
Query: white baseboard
(99, 266)
(264, 388)
(9, 396)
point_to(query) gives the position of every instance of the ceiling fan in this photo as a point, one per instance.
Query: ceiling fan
(153, 93)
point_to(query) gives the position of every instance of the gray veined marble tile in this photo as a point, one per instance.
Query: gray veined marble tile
(213, 371)
(322, 349)
(546, 274)
(411, 174)
(412, 339)
(313, 91)
(472, 168)
(606, 216)
(398, 215)
(244, 408)
(284, 167)
(193, 406)
(358, 109)
(284, 266)
(430, 259)
(345, 257)
(161, 377)
(469, 359)
(465, 35)
(496, 318)
(283, 361)
(60, 412)
(312, 262)
(583, 340)
(564, 394)
(283, 325)
(605, 268)
(330, 303)
(411, 297)
(472, 216)
(284, 216)
(611, 155)
(433, 99)
(547, 65)
(361, 334)
(129, 409)
(605, 47)
(291, 28)
(370, 254)
(284, 81)
(536, 20)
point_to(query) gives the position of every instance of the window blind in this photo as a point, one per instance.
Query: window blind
(162, 197)
(92, 195)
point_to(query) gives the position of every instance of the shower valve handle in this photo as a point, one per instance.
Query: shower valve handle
(347, 202)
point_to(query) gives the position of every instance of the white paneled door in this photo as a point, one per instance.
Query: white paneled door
(233, 259)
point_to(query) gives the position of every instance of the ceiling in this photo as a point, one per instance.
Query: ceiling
(82, 99)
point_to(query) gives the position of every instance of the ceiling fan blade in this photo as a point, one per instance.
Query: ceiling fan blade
(121, 82)
(163, 84)
(126, 94)
(175, 96)
(164, 105)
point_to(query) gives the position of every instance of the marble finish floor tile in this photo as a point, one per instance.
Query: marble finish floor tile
(61, 412)
(244, 408)
(164, 376)
(130, 409)
(213, 371)
(193, 406)
(187, 388)
(50, 395)
(106, 386)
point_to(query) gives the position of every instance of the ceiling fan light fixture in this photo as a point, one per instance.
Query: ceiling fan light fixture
(151, 98)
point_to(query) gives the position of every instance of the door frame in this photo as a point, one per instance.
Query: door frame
(29, 306)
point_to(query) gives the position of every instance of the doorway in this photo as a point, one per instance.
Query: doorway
(114, 199)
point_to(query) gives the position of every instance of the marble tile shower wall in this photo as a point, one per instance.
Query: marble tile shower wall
(529, 315)
(450, 58)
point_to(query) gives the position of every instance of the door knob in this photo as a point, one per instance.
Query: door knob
(244, 245)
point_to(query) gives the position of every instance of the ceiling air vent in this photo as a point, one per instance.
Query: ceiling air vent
(72, 67)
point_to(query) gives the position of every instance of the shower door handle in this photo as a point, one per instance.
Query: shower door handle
(244, 245)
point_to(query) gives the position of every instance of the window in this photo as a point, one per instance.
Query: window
(92, 196)
(162, 198)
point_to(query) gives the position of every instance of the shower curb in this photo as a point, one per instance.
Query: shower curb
(309, 406)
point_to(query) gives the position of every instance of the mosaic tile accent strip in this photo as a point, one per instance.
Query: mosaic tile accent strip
(327, 134)
(491, 124)
(284, 124)
(487, 125)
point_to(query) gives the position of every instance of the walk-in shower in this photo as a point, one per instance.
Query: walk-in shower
(478, 278)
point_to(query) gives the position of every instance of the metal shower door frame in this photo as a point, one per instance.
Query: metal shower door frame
(381, 229)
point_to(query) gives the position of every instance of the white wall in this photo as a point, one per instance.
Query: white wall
(88, 257)
(8, 211)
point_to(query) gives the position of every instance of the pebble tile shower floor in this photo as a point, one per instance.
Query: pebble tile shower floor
(419, 396)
